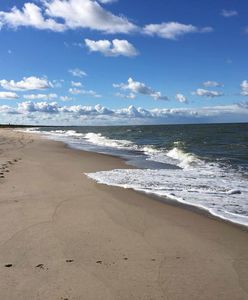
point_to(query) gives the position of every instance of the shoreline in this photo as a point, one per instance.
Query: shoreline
(102, 242)
(163, 199)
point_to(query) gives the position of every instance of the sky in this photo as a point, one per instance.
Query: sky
(118, 62)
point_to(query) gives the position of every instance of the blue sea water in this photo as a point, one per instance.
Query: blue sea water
(201, 165)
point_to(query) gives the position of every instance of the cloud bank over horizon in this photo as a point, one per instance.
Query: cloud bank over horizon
(52, 113)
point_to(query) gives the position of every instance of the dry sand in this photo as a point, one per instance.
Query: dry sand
(63, 236)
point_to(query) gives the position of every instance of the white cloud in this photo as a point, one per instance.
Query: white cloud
(75, 91)
(212, 84)
(65, 98)
(8, 95)
(128, 96)
(61, 15)
(137, 87)
(77, 72)
(27, 83)
(76, 84)
(207, 93)
(80, 110)
(87, 14)
(57, 83)
(229, 13)
(43, 107)
(173, 30)
(243, 104)
(111, 48)
(72, 13)
(244, 88)
(40, 96)
(53, 113)
(181, 98)
(29, 15)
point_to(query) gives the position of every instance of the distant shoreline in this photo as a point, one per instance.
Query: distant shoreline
(162, 124)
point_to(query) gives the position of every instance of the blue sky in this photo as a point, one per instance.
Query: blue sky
(123, 62)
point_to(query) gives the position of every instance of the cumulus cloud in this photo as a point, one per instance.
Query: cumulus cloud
(61, 15)
(207, 93)
(53, 113)
(43, 107)
(75, 91)
(173, 30)
(137, 87)
(77, 72)
(181, 98)
(243, 104)
(244, 88)
(65, 98)
(228, 13)
(27, 83)
(126, 96)
(80, 110)
(91, 93)
(8, 95)
(76, 84)
(87, 14)
(57, 83)
(40, 96)
(111, 48)
(29, 16)
(212, 84)
(72, 14)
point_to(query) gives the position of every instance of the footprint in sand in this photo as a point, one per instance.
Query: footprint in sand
(40, 266)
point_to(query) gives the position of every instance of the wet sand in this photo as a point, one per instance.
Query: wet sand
(63, 236)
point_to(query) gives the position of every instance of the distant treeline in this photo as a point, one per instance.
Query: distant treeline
(16, 126)
(26, 126)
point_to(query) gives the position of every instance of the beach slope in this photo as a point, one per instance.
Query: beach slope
(63, 236)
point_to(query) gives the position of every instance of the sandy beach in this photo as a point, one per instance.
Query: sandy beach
(63, 236)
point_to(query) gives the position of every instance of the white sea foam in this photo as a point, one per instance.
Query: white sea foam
(212, 191)
(99, 139)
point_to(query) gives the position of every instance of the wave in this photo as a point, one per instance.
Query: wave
(99, 139)
(175, 156)
(222, 198)
(185, 159)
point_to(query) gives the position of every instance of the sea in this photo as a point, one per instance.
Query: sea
(203, 165)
